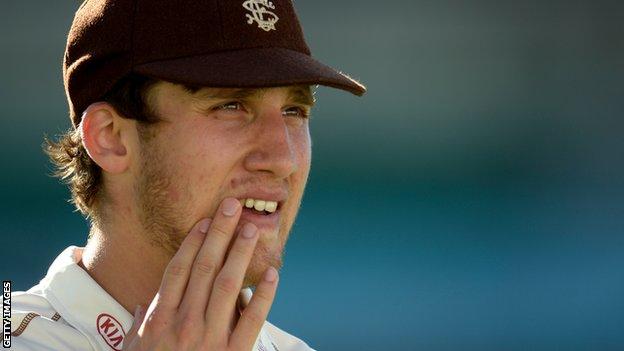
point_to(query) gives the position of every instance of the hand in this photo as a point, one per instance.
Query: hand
(195, 307)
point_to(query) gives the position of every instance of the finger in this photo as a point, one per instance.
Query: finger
(210, 257)
(139, 315)
(178, 270)
(256, 312)
(228, 283)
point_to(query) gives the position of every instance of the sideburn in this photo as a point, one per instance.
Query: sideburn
(159, 217)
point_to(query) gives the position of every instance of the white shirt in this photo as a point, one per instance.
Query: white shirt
(69, 311)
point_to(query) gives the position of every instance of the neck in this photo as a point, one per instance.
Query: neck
(124, 264)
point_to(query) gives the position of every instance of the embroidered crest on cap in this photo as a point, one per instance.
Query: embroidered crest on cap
(259, 13)
(111, 330)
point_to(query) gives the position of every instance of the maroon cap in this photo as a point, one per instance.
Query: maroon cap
(215, 43)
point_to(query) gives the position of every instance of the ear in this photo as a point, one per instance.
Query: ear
(105, 137)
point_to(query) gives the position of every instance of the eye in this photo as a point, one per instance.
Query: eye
(296, 111)
(230, 106)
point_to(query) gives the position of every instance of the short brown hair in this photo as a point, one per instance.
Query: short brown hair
(72, 163)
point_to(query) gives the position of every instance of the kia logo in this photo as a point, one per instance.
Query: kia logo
(110, 329)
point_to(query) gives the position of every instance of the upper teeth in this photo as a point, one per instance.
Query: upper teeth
(260, 205)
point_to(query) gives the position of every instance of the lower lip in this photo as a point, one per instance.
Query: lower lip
(263, 222)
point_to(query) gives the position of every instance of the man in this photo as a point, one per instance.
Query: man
(189, 154)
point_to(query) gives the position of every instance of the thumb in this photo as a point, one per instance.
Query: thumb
(139, 315)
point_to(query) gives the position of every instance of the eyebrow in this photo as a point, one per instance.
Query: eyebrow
(302, 95)
(225, 93)
(299, 94)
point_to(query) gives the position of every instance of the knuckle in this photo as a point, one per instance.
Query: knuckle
(205, 267)
(213, 343)
(187, 328)
(262, 296)
(194, 240)
(254, 317)
(177, 270)
(156, 321)
(227, 284)
(219, 230)
(240, 249)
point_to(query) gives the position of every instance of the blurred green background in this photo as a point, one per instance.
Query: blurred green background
(472, 200)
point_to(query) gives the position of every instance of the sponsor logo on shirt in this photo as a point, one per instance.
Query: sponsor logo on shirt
(110, 329)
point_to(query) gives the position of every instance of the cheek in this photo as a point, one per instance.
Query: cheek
(195, 152)
(299, 178)
(174, 195)
(304, 155)
(203, 166)
(300, 138)
(180, 165)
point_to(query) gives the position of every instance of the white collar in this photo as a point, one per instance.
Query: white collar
(83, 303)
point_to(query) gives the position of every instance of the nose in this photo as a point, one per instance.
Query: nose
(273, 150)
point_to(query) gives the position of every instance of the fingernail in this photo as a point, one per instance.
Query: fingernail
(230, 206)
(249, 230)
(270, 275)
(204, 225)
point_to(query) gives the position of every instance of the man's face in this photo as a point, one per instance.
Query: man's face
(218, 143)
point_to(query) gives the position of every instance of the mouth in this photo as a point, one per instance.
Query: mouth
(265, 214)
(260, 207)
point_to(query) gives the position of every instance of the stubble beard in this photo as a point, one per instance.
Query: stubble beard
(162, 223)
